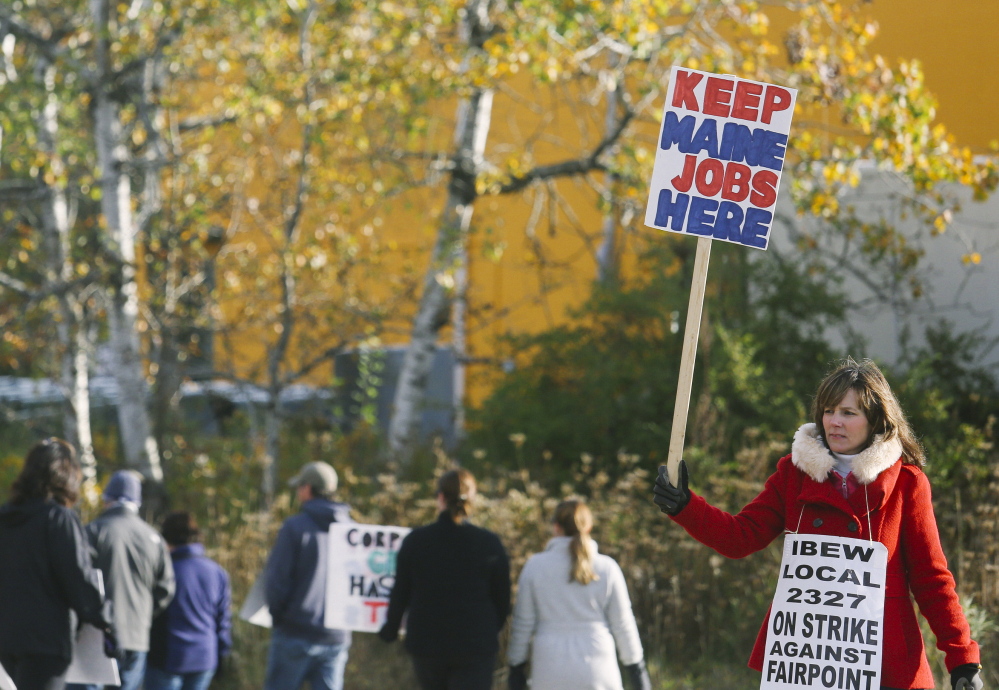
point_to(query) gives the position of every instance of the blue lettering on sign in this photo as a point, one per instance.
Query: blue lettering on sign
(758, 147)
(677, 131)
(706, 138)
(701, 221)
(671, 213)
(724, 221)
(754, 230)
(728, 226)
(382, 562)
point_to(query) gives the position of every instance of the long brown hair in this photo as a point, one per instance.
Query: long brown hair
(876, 400)
(457, 487)
(576, 521)
(50, 472)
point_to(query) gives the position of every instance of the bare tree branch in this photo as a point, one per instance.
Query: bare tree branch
(12, 283)
(567, 168)
(192, 124)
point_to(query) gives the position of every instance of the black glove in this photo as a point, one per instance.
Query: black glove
(387, 634)
(111, 648)
(967, 677)
(671, 499)
(638, 676)
(516, 678)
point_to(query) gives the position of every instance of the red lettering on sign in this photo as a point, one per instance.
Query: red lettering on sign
(717, 171)
(682, 182)
(375, 606)
(683, 93)
(718, 96)
(764, 189)
(747, 100)
(736, 187)
(775, 100)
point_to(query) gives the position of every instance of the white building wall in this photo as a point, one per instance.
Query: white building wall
(956, 289)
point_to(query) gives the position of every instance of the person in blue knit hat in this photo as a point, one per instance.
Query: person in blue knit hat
(138, 574)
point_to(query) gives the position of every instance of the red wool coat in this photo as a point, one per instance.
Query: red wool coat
(802, 497)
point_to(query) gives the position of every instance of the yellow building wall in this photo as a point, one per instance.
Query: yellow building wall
(951, 40)
(515, 289)
(955, 42)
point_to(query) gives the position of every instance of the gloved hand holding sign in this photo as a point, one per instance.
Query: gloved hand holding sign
(671, 499)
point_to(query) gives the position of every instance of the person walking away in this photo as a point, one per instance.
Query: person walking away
(453, 579)
(302, 648)
(192, 638)
(573, 616)
(138, 574)
(46, 573)
(855, 471)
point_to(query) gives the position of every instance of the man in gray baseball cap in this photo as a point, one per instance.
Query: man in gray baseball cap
(301, 646)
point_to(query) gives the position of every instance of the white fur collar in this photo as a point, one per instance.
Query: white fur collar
(810, 455)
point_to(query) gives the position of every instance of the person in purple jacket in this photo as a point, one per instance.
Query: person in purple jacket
(192, 637)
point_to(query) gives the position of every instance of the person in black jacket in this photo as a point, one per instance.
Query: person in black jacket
(454, 579)
(46, 570)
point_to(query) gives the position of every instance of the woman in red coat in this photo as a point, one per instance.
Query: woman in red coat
(853, 472)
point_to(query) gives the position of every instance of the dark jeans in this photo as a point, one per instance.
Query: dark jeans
(475, 674)
(36, 671)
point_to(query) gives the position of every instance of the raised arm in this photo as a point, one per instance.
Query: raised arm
(734, 536)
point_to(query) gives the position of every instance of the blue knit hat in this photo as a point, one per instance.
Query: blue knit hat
(124, 485)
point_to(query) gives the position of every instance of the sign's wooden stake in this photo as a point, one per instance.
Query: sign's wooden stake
(690, 333)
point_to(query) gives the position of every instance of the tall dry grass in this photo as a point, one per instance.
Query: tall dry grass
(688, 602)
(698, 613)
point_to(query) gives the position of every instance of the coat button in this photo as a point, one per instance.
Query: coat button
(817, 522)
(852, 527)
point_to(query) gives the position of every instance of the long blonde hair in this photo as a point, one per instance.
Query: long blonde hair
(576, 521)
(876, 400)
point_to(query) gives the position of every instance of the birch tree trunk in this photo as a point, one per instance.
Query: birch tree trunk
(471, 130)
(607, 253)
(286, 324)
(140, 449)
(70, 327)
(459, 324)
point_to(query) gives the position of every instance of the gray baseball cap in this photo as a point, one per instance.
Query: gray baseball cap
(319, 475)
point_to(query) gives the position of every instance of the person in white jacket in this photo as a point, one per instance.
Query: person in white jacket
(573, 616)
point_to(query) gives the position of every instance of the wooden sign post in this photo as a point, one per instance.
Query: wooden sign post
(691, 331)
(717, 170)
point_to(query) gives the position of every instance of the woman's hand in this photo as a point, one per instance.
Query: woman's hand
(516, 678)
(388, 634)
(671, 499)
(967, 677)
(638, 676)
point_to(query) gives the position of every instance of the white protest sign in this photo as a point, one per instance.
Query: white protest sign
(5, 681)
(826, 622)
(90, 665)
(360, 575)
(255, 609)
(721, 149)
